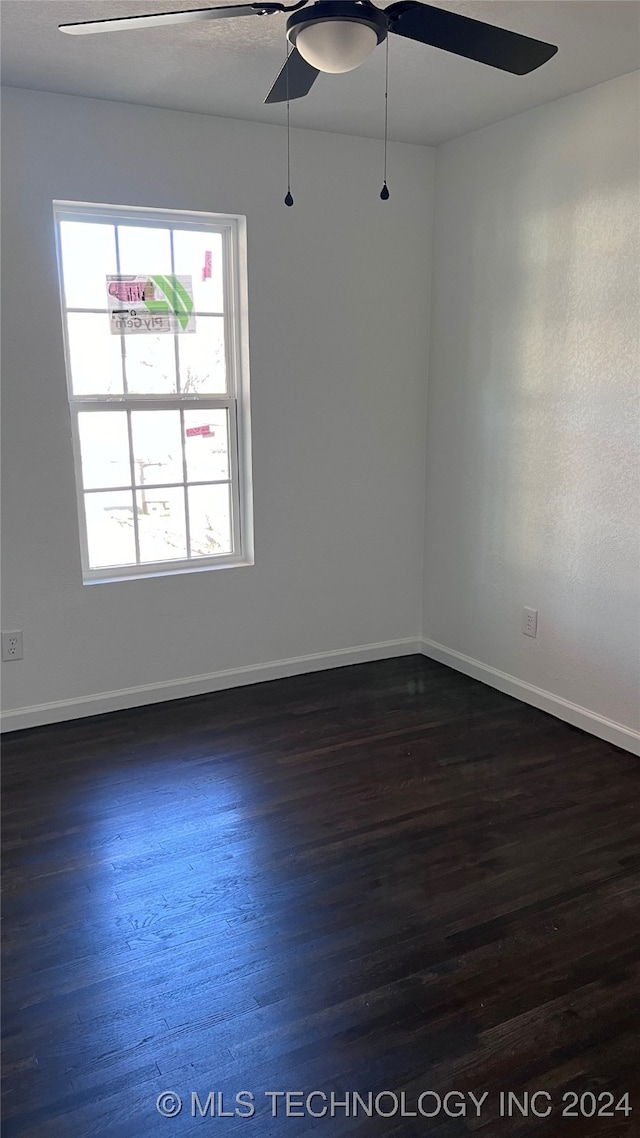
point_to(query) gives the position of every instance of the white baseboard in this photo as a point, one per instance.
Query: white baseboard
(572, 713)
(59, 710)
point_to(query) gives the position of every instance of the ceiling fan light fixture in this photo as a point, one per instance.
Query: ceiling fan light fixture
(337, 37)
(336, 46)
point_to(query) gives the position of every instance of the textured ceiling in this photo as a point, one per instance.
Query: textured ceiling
(227, 67)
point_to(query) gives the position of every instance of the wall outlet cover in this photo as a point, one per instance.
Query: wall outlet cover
(12, 645)
(529, 621)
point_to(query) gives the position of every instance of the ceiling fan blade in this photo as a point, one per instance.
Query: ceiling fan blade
(472, 39)
(159, 19)
(295, 80)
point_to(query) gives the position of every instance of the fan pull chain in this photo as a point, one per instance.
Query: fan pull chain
(384, 192)
(289, 196)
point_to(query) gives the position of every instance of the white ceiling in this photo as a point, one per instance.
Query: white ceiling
(226, 67)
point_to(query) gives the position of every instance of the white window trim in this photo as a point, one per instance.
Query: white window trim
(236, 400)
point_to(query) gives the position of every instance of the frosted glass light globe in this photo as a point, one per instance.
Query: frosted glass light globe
(336, 46)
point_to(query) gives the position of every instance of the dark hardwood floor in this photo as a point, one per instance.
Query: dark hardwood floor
(380, 878)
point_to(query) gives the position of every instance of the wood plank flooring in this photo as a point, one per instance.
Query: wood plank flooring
(382, 878)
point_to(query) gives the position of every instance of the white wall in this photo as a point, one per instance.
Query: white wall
(532, 442)
(531, 492)
(338, 292)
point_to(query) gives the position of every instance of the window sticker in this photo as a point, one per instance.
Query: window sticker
(150, 305)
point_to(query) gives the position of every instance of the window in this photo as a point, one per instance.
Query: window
(154, 315)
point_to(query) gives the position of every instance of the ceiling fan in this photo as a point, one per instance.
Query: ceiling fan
(338, 35)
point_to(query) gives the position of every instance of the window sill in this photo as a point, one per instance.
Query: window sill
(148, 572)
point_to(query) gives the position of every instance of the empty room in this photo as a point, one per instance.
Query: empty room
(320, 568)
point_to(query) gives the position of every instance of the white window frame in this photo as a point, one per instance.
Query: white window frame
(235, 401)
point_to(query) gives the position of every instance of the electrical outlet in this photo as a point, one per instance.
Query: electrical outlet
(12, 645)
(530, 621)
